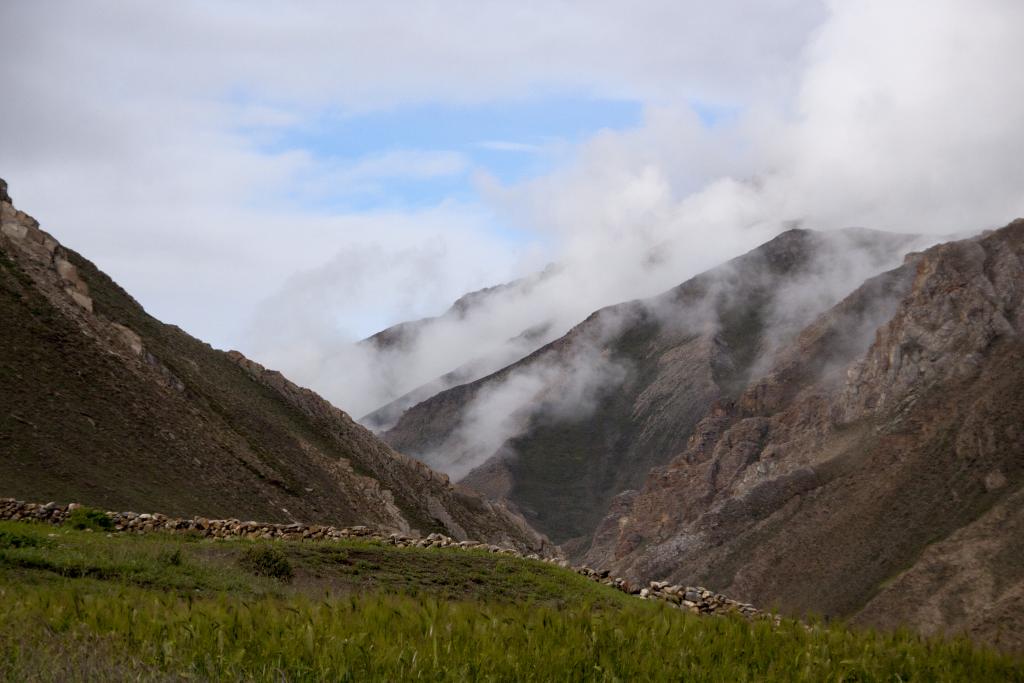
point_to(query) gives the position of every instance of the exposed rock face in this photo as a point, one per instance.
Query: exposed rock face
(880, 483)
(650, 371)
(102, 403)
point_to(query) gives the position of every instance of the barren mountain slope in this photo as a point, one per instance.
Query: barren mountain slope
(621, 392)
(882, 484)
(101, 403)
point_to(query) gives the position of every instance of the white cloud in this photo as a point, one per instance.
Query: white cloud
(909, 117)
(135, 132)
(916, 140)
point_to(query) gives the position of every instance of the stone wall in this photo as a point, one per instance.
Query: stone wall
(695, 599)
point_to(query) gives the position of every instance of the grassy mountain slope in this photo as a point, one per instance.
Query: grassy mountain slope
(102, 403)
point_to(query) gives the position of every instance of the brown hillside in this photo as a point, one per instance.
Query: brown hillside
(101, 403)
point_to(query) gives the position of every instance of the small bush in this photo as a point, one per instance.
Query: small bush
(18, 539)
(267, 560)
(89, 518)
(172, 558)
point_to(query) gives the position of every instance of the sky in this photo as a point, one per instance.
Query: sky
(286, 178)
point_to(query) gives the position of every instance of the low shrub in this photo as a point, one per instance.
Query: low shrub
(172, 558)
(267, 560)
(18, 539)
(89, 518)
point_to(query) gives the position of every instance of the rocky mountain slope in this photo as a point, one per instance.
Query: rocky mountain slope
(102, 403)
(586, 417)
(800, 427)
(881, 483)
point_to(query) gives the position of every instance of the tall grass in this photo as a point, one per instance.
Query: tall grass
(378, 637)
(81, 606)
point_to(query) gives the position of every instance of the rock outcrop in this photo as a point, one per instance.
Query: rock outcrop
(102, 403)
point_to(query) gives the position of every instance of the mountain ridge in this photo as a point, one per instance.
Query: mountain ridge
(707, 330)
(900, 466)
(105, 404)
(395, 344)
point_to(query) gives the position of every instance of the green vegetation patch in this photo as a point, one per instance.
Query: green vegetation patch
(18, 538)
(44, 554)
(447, 574)
(183, 563)
(378, 637)
(87, 606)
(267, 560)
(88, 518)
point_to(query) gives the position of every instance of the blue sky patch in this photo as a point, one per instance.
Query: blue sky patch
(512, 141)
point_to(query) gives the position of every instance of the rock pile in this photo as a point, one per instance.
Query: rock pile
(695, 599)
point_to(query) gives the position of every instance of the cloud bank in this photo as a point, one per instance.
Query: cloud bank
(904, 117)
(155, 137)
(140, 135)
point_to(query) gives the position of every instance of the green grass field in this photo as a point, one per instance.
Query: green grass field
(80, 605)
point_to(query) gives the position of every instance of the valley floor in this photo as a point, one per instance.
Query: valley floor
(87, 605)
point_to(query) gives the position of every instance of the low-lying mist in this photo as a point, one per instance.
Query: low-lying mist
(779, 288)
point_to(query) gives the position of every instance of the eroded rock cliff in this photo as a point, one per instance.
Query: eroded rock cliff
(879, 483)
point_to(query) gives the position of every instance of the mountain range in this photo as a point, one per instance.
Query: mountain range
(588, 415)
(878, 482)
(829, 423)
